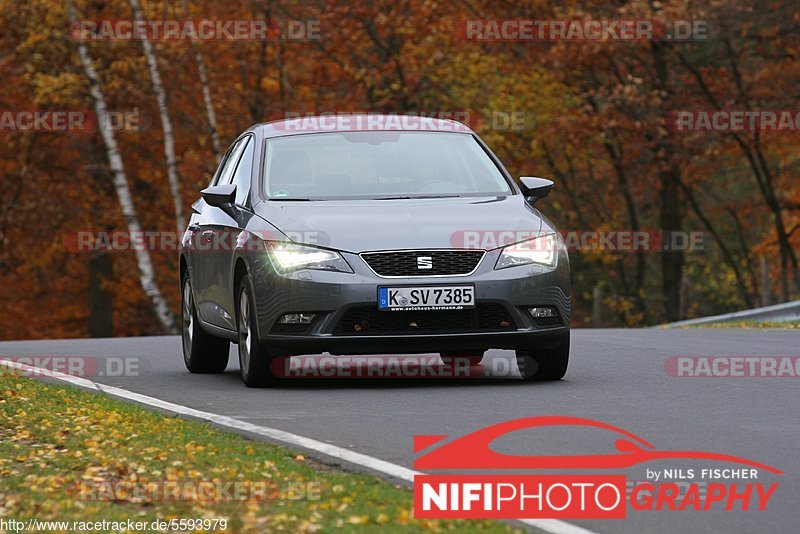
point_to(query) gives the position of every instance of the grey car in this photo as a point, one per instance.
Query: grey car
(371, 236)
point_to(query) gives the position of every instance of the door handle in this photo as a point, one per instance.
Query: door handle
(189, 237)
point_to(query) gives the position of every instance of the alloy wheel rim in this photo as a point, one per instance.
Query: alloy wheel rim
(188, 317)
(245, 337)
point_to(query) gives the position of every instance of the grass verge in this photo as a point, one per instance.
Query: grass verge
(73, 455)
(788, 325)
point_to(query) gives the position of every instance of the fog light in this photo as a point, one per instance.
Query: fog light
(297, 318)
(542, 311)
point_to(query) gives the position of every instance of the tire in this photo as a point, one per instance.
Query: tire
(539, 365)
(254, 358)
(450, 358)
(202, 352)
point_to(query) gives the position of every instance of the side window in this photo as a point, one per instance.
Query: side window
(224, 176)
(220, 167)
(241, 178)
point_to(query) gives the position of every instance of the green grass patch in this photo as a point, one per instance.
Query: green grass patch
(72, 455)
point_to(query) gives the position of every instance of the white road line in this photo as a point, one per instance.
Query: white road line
(552, 526)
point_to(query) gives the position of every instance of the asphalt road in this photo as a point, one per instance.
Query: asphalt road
(615, 376)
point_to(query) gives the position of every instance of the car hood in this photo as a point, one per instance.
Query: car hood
(364, 225)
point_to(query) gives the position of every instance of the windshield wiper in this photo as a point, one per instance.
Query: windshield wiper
(410, 197)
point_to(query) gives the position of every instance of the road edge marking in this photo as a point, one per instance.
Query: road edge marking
(551, 526)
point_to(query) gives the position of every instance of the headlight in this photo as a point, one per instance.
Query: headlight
(542, 250)
(287, 257)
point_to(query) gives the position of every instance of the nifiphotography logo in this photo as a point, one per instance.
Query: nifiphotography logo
(737, 483)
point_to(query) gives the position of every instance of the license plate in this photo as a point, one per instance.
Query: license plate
(426, 298)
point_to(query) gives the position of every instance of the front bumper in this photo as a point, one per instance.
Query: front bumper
(330, 295)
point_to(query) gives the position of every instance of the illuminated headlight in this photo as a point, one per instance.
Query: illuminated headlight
(542, 251)
(287, 257)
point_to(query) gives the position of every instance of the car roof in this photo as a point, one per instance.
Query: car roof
(358, 122)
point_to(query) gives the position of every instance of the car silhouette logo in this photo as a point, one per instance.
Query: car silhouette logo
(473, 450)
(424, 262)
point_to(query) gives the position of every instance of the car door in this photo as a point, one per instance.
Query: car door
(232, 227)
(209, 247)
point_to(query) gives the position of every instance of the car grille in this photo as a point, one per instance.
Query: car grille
(367, 320)
(404, 263)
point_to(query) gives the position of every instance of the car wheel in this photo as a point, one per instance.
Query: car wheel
(202, 352)
(544, 364)
(451, 358)
(254, 358)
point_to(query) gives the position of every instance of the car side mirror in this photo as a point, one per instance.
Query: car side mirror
(535, 188)
(219, 195)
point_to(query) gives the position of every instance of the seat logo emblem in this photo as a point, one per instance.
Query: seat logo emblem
(424, 262)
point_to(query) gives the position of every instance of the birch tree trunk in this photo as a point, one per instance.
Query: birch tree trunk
(211, 116)
(166, 123)
(120, 181)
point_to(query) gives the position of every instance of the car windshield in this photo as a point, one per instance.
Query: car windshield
(380, 165)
